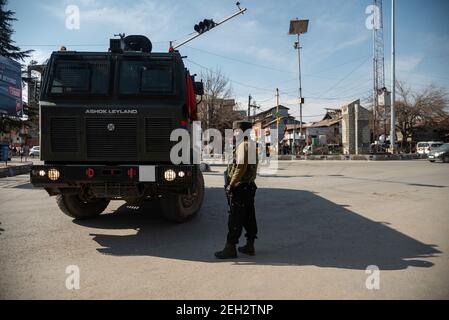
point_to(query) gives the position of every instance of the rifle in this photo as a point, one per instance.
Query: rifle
(226, 183)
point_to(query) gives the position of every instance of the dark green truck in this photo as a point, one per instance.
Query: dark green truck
(105, 124)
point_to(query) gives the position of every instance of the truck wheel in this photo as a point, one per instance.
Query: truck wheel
(446, 159)
(74, 207)
(182, 208)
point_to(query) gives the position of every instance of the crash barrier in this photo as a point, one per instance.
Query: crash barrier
(12, 171)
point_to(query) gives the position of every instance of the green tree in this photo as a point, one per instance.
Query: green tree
(7, 47)
(9, 50)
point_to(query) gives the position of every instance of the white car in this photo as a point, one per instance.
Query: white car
(425, 147)
(35, 151)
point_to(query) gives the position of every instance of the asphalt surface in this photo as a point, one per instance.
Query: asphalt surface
(321, 225)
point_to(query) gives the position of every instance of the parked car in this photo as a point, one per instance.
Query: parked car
(423, 148)
(434, 145)
(380, 147)
(307, 150)
(440, 154)
(35, 151)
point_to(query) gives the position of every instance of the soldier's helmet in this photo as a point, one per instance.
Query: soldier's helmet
(242, 125)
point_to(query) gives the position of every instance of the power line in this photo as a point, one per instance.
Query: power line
(314, 74)
(241, 61)
(343, 64)
(345, 77)
(230, 80)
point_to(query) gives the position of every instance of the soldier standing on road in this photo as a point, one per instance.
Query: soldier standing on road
(241, 190)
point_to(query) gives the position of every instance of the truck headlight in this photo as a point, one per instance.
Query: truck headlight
(42, 173)
(170, 175)
(53, 174)
(181, 174)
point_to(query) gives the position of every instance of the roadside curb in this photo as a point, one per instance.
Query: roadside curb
(368, 157)
(15, 170)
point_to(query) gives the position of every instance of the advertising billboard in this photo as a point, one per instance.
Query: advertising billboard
(10, 87)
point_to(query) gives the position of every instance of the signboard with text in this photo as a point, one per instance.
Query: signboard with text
(10, 87)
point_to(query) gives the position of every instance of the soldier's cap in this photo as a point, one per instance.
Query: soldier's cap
(242, 125)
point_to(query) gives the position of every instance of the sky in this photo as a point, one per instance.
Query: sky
(254, 51)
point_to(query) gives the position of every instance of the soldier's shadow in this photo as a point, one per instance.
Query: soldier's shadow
(296, 228)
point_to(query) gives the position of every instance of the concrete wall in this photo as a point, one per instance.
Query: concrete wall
(355, 134)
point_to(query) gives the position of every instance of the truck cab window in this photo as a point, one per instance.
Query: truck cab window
(80, 77)
(139, 77)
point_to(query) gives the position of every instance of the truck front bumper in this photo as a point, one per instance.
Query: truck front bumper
(60, 176)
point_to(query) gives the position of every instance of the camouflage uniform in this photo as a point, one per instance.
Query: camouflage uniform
(242, 173)
(241, 190)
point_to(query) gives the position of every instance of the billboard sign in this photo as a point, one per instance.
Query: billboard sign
(10, 87)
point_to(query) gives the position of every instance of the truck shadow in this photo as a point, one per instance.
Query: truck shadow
(296, 227)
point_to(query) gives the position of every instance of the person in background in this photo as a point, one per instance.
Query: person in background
(25, 152)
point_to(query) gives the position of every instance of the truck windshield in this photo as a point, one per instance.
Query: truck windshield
(146, 78)
(86, 77)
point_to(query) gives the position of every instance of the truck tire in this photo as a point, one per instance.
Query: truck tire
(182, 208)
(76, 208)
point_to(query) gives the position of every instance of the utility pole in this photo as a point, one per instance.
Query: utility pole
(255, 106)
(277, 109)
(356, 113)
(277, 118)
(393, 78)
(249, 107)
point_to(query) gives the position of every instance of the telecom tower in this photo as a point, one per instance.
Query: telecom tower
(379, 90)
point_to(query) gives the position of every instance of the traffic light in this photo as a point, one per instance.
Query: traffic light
(204, 26)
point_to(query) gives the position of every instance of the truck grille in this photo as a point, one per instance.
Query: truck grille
(111, 138)
(64, 135)
(157, 134)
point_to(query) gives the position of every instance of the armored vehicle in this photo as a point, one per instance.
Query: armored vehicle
(105, 125)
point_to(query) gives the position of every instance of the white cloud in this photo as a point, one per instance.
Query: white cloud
(144, 17)
(407, 63)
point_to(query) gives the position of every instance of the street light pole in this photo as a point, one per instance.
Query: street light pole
(300, 96)
(393, 78)
(298, 27)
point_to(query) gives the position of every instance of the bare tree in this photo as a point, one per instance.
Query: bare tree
(215, 111)
(428, 106)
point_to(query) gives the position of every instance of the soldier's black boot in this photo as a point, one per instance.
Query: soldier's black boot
(248, 249)
(229, 252)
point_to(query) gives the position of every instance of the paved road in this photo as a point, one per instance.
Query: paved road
(321, 225)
